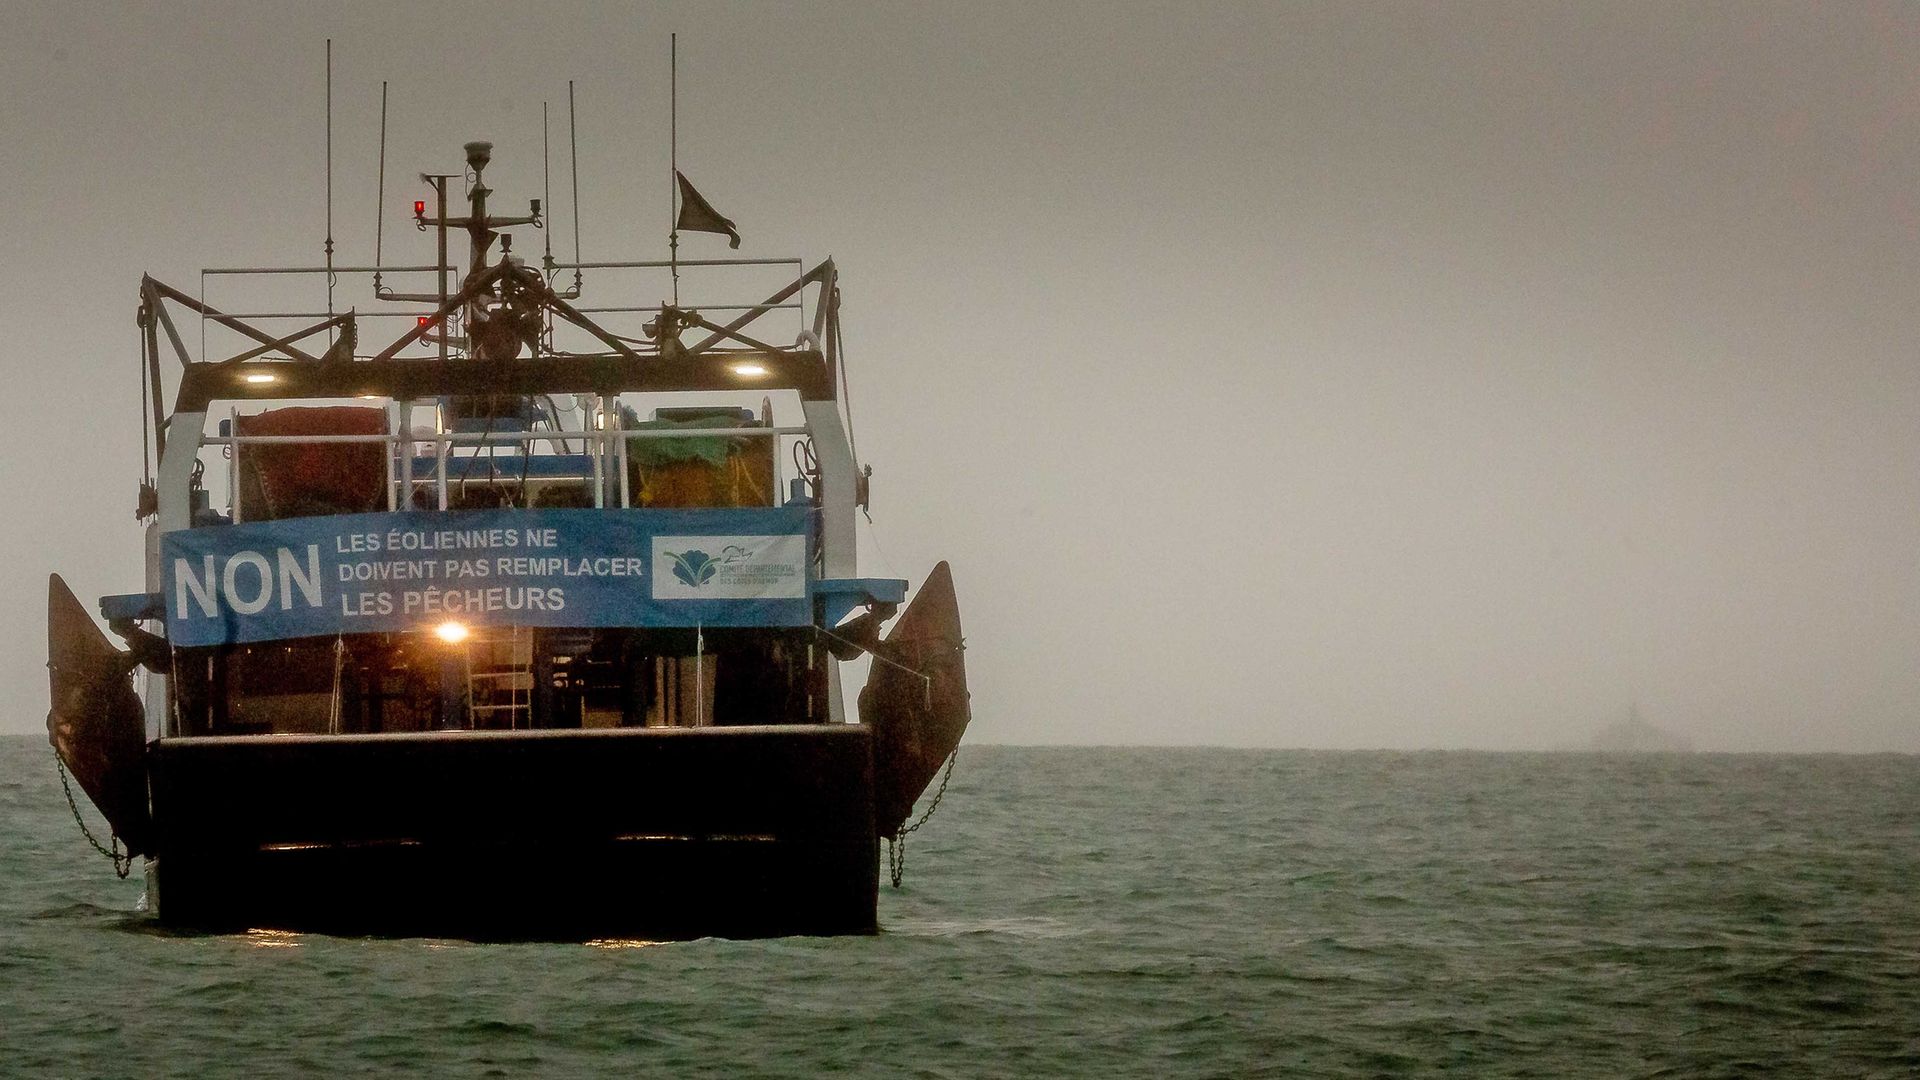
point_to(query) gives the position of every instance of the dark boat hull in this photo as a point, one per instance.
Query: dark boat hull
(738, 832)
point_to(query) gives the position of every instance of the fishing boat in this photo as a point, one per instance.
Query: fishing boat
(527, 621)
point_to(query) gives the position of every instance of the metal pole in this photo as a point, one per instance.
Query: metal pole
(393, 450)
(150, 341)
(441, 447)
(487, 438)
(440, 191)
(573, 139)
(546, 177)
(146, 470)
(406, 454)
(233, 467)
(673, 161)
(620, 461)
(658, 265)
(380, 207)
(227, 271)
(601, 445)
(329, 246)
(546, 237)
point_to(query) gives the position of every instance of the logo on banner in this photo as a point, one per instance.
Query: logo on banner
(695, 567)
(729, 567)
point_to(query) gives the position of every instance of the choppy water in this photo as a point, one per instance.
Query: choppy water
(1107, 913)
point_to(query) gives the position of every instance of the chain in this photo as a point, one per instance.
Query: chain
(897, 843)
(122, 862)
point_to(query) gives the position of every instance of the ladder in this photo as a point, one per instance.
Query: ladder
(500, 680)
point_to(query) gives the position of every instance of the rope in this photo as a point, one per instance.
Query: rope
(926, 680)
(897, 843)
(339, 662)
(873, 536)
(122, 862)
(846, 390)
(846, 400)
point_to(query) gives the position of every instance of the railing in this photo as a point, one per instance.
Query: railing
(614, 291)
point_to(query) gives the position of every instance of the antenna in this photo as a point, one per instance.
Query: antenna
(329, 245)
(673, 161)
(546, 177)
(573, 137)
(379, 208)
(546, 235)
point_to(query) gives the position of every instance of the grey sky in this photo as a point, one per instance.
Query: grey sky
(1277, 374)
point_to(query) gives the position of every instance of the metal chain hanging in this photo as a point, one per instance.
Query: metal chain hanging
(122, 861)
(897, 843)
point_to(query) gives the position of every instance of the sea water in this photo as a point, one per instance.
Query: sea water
(1103, 913)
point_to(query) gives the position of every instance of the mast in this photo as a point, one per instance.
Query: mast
(329, 243)
(673, 161)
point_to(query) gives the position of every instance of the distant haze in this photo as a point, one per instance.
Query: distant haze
(1345, 374)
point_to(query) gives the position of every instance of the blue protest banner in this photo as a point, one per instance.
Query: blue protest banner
(369, 573)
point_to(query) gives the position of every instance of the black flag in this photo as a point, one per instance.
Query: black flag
(698, 215)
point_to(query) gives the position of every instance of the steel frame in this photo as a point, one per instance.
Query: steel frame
(810, 366)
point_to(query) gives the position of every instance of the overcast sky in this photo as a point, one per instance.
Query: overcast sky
(1278, 374)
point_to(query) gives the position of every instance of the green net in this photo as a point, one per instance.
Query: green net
(648, 453)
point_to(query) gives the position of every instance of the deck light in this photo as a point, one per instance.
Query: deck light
(259, 377)
(451, 632)
(750, 371)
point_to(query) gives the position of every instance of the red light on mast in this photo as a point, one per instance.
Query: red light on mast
(419, 207)
(425, 319)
